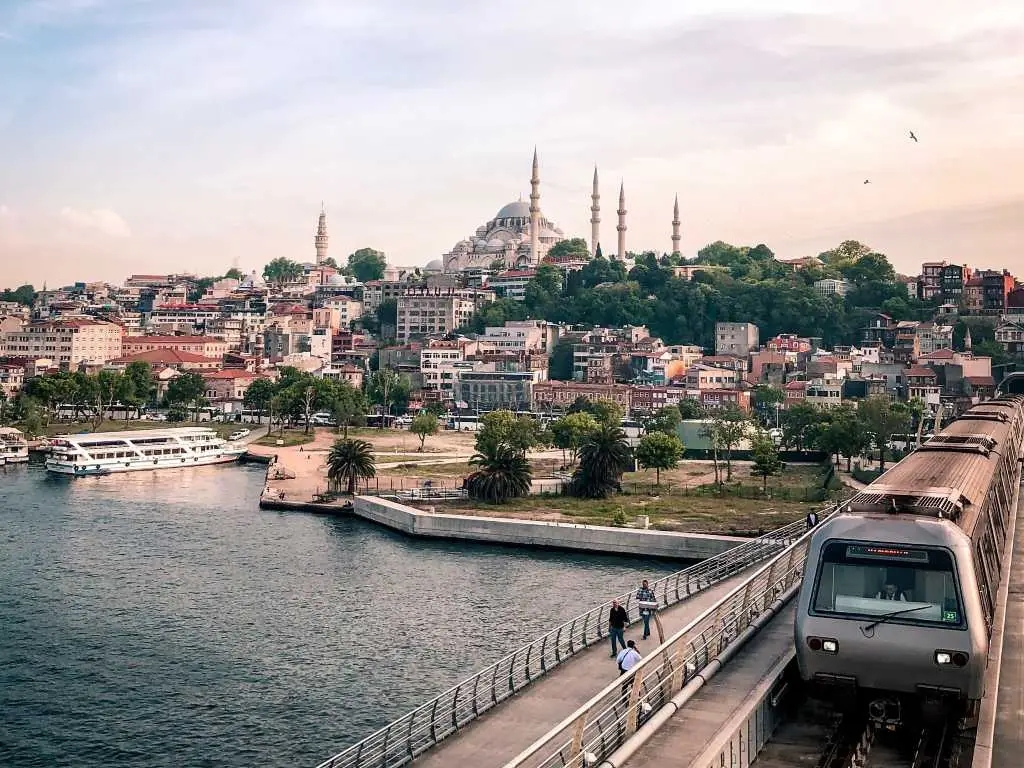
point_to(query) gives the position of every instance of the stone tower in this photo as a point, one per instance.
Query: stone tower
(534, 209)
(595, 217)
(320, 241)
(621, 228)
(675, 228)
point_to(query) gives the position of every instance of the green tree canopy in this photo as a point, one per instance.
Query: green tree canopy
(603, 458)
(350, 461)
(659, 451)
(23, 294)
(423, 426)
(571, 431)
(366, 264)
(282, 270)
(520, 433)
(502, 473)
(766, 459)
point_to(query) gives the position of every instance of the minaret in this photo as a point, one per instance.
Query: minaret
(675, 228)
(320, 241)
(621, 228)
(534, 209)
(595, 217)
(967, 340)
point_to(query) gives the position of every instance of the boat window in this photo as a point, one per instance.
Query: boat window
(865, 580)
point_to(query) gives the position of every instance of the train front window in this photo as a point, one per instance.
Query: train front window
(864, 580)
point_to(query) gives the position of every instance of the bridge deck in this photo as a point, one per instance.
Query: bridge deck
(499, 735)
(1008, 739)
(681, 740)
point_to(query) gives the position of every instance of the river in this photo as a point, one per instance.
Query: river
(162, 619)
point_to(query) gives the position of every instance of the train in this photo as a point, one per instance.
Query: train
(896, 605)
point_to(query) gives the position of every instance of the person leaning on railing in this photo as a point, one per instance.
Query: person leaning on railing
(617, 621)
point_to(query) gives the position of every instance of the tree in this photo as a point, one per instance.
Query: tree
(606, 412)
(366, 264)
(767, 399)
(882, 419)
(690, 408)
(560, 362)
(730, 428)
(282, 270)
(424, 425)
(348, 406)
(993, 349)
(666, 420)
(603, 458)
(387, 312)
(571, 431)
(23, 294)
(257, 396)
(574, 247)
(388, 389)
(234, 274)
(798, 423)
(520, 433)
(349, 461)
(30, 415)
(140, 388)
(659, 451)
(187, 391)
(766, 459)
(844, 434)
(502, 473)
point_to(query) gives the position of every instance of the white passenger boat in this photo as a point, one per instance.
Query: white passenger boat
(13, 446)
(102, 453)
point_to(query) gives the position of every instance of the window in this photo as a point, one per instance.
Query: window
(860, 580)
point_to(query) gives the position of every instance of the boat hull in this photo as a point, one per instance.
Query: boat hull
(114, 467)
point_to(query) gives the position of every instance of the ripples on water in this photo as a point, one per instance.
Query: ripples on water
(161, 619)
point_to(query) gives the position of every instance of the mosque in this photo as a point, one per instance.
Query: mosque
(519, 236)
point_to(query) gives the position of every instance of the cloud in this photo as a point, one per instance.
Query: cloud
(100, 219)
(4, 210)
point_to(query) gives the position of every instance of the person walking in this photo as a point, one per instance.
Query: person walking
(812, 519)
(617, 621)
(628, 658)
(646, 594)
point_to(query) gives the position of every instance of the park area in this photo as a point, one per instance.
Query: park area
(686, 499)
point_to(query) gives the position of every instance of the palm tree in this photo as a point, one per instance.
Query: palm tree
(503, 473)
(350, 461)
(603, 458)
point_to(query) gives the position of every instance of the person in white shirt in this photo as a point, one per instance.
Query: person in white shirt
(628, 657)
(891, 592)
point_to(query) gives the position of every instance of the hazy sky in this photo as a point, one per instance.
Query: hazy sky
(158, 135)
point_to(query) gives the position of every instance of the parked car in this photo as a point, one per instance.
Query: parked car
(238, 434)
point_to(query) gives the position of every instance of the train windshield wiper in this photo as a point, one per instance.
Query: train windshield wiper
(886, 616)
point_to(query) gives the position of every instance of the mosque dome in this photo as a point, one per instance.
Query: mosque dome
(434, 265)
(337, 279)
(495, 242)
(516, 210)
(253, 280)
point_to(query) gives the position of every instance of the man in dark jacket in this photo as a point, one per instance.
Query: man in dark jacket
(617, 621)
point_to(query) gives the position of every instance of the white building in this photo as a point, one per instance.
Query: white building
(738, 339)
(512, 283)
(425, 312)
(516, 336)
(832, 287)
(69, 342)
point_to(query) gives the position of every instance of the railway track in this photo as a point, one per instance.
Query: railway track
(814, 736)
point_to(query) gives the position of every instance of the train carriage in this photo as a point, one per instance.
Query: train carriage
(899, 588)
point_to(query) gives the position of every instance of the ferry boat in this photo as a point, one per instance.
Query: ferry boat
(13, 446)
(103, 453)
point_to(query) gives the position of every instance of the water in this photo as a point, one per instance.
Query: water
(161, 619)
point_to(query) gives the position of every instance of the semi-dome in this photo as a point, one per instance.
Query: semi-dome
(495, 242)
(434, 265)
(515, 210)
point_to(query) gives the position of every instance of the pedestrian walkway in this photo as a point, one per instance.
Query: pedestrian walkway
(502, 733)
(688, 733)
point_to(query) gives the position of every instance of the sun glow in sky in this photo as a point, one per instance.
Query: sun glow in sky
(147, 136)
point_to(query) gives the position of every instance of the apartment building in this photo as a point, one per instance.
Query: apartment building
(207, 346)
(559, 395)
(736, 339)
(68, 342)
(425, 312)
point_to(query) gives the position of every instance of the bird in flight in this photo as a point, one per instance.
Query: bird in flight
(913, 136)
(867, 181)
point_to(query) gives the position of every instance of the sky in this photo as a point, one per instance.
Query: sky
(142, 136)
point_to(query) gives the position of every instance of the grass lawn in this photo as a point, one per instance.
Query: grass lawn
(290, 437)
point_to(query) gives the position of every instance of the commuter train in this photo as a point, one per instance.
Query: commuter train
(899, 589)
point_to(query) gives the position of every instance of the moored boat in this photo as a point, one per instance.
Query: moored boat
(13, 446)
(103, 453)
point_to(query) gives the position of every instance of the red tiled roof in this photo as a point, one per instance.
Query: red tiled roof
(516, 273)
(920, 370)
(231, 373)
(166, 357)
(795, 385)
(173, 340)
(939, 354)
(981, 381)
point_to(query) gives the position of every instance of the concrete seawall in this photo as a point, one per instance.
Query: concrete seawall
(527, 533)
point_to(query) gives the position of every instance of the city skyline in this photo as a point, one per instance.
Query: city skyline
(141, 139)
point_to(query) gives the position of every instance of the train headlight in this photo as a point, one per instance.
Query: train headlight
(955, 658)
(824, 644)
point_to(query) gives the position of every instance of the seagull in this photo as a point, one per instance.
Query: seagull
(867, 181)
(913, 136)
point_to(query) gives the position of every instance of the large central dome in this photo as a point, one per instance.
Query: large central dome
(515, 210)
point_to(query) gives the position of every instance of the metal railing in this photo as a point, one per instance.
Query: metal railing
(603, 724)
(417, 731)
